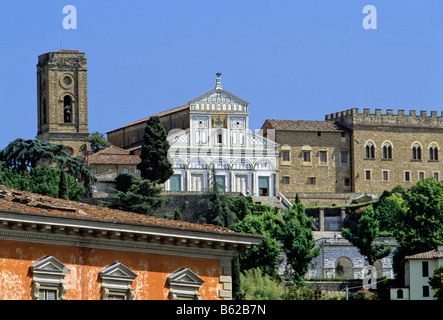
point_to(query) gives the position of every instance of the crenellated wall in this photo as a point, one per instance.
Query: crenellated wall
(353, 117)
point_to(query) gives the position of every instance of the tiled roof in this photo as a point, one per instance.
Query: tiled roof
(112, 150)
(305, 125)
(22, 202)
(114, 155)
(432, 254)
(161, 114)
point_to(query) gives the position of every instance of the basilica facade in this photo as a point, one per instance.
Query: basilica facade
(210, 134)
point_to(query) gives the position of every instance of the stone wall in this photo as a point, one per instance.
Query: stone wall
(132, 134)
(329, 175)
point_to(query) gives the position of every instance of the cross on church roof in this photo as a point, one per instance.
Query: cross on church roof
(218, 85)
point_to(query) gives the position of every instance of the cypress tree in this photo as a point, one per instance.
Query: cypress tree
(63, 186)
(155, 165)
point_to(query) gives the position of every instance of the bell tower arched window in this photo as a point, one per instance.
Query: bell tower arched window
(67, 109)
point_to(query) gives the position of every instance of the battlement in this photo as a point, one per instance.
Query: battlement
(353, 117)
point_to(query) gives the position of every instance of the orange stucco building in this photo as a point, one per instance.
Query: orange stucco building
(57, 249)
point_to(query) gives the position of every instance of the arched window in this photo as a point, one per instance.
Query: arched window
(433, 152)
(67, 109)
(416, 151)
(399, 294)
(387, 150)
(370, 150)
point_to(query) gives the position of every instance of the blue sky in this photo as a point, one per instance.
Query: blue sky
(298, 59)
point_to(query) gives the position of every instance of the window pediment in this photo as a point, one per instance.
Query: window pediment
(49, 265)
(184, 284)
(117, 281)
(117, 271)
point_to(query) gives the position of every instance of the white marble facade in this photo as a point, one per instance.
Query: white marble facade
(219, 136)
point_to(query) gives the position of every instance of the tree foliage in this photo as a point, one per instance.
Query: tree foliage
(256, 285)
(155, 165)
(416, 219)
(298, 240)
(219, 206)
(23, 155)
(142, 197)
(44, 181)
(363, 234)
(265, 255)
(436, 282)
(98, 141)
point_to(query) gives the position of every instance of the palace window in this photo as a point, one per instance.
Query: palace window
(407, 176)
(344, 158)
(323, 157)
(416, 151)
(286, 180)
(433, 153)
(312, 181)
(385, 175)
(307, 156)
(184, 285)
(437, 176)
(367, 174)
(370, 150)
(285, 155)
(387, 151)
(116, 281)
(48, 279)
(421, 175)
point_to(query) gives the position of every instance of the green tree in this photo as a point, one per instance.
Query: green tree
(177, 214)
(219, 206)
(63, 186)
(22, 155)
(155, 165)
(142, 197)
(98, 141)
(363, 234)
(124, 181)
(436, 282)
(298, 240)
(44, 181)
(256, 285)
(418, 220)
(265, 255)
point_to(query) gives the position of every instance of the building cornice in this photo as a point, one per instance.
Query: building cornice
(60, 230)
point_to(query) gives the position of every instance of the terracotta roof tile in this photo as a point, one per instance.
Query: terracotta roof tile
(432, 254)
(26, 202)
(113, 150)
(160, 114)
(114, 155)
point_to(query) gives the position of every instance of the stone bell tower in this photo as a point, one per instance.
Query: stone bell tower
(62, 100)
